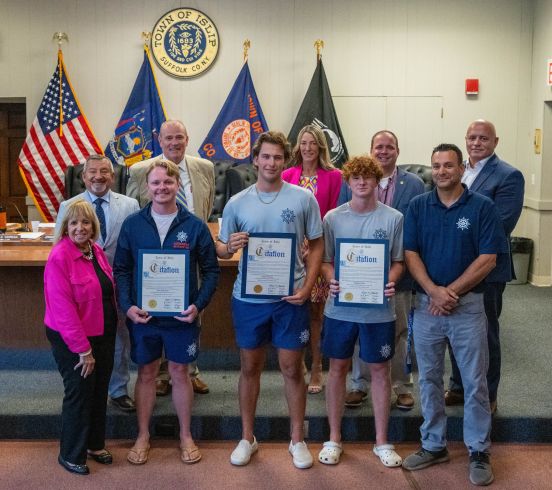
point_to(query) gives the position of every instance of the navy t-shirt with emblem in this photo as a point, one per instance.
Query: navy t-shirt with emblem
(449, 239)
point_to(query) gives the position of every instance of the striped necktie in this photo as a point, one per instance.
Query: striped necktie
(181, 195)
(101, 217)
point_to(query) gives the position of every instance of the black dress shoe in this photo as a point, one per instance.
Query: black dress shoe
(79, 469)
(104, 457)
(124, 403)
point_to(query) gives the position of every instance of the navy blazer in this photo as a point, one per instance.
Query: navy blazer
(505, 185)
(407, 186)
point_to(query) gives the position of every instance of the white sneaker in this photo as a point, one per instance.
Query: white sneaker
(302, 458)
(243, 452)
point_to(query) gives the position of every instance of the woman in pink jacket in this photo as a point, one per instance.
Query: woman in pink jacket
(313, 170)
(81, 321)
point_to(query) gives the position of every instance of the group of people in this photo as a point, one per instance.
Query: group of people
(449, 259)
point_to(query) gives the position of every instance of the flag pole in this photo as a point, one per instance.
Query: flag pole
(319, 45)
(60, 37)
(246, 46)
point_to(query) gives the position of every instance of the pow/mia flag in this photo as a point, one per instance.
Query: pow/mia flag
(318, 109)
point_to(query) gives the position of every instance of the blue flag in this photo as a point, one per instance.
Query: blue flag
(135, 137)
(238, 125)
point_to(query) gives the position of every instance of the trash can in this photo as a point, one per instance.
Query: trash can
(521, 255)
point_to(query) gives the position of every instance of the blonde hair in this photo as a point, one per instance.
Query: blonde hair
(324, 160)
(76, 209)
(171, 168)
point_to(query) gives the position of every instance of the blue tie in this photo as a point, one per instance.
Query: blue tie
(181, 196)
(101, 217)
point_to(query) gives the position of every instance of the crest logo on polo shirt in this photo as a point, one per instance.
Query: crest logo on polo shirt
(288, 216)
(463, 224)
(380, 234)
(185, 42)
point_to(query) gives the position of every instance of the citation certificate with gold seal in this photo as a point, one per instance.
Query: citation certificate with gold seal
(267, 265)
(163, 281)
(361, 267)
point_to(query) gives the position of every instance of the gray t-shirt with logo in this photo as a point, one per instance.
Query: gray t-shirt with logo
(381, 223)
(292, 210)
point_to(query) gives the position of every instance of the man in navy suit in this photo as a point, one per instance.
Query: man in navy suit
(395, 189)
(489, 175)
(97, 176)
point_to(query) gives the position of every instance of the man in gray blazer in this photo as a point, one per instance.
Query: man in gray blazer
(396, 189)
(197, 193)
(112, 209)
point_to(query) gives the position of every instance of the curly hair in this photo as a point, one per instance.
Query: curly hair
(363, 166)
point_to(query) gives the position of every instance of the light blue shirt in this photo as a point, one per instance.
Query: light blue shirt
(291, 210)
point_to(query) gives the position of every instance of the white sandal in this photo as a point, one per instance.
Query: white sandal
(387, 455)
(331, 452)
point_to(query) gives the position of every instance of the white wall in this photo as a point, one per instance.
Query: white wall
(386, 58)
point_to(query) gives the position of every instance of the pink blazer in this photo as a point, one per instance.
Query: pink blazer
(73, 294)
(329, 185)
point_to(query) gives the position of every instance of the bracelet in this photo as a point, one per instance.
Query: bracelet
(87, 353)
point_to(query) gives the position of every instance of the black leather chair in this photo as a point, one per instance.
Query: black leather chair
(240, 177)
(221, 188)
(74, 184)
(422, 171)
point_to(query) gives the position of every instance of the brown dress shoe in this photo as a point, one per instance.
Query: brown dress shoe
(162, 387)
(453, 398)
(199, 386)
(405, 401)
(354, 398)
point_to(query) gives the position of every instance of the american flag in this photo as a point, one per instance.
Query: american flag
(59, 137)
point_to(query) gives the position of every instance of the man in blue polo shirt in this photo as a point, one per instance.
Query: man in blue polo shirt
(451, 239)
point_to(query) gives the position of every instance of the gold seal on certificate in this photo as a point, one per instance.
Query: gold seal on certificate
(361, 267)
(268, 263)
(163, 281)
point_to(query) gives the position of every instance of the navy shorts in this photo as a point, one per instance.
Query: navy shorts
(377, 340)
(147, 342)
(284, 325)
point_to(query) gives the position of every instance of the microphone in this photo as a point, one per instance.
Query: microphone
(23, 221)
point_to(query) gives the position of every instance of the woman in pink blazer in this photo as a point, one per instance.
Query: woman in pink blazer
(81, 321)
(313, 170)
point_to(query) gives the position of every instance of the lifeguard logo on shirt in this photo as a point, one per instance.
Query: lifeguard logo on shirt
(288, 216)
(380, 234)
(463, 224)
(185, 42)
(236, 139)
(181, 240)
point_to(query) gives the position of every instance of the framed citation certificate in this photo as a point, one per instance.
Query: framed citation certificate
(268, 264)
(163, 281)
(361, 267)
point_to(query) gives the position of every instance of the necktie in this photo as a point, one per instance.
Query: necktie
(181, 195)
(101, 217)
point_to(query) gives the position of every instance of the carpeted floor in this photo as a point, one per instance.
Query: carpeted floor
(25, 465)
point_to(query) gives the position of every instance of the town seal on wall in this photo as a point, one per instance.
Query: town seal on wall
(185, 42)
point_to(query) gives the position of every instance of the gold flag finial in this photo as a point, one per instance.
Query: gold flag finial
(60, 38)
(246, 46)
(319, 45)
(146, 36)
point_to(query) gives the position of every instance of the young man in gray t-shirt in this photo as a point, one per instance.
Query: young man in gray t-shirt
(374, 327)
(273, 206)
